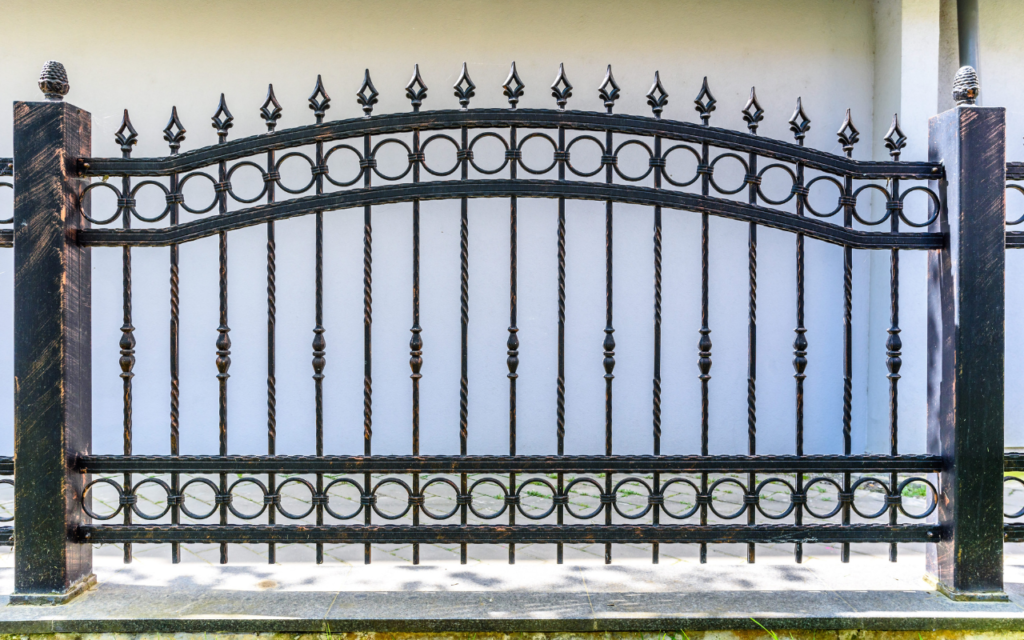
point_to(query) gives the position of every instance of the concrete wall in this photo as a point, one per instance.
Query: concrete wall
(875, 58)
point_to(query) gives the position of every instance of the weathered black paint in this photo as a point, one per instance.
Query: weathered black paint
(52, 349)
(503, 464)
(522, 533)
(966, 306)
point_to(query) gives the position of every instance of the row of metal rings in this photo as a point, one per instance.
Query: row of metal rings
(751, 500)
(6, 221)
(1018, 189)
(894, 206)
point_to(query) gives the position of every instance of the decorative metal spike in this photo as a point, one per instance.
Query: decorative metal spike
(705, 102)
(894, 138)
(753, 114)
(367, 94)
(657, 97)
(799, 123)
(514, 87)
(609, 90)
(464, 87)
(416, 90)
(966, 86)
(271, 109)
(126, 136)
(53, 81)
(848, 134)
(174, 133)
(561, 88)
(319, 101)
(223, 120)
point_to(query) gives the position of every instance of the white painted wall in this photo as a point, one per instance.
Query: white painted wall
(873, 57)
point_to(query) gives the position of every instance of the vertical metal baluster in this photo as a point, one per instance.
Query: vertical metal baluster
(367, 337)
(560, 383)
(561, 90)
(416, 91)
(753, 114)
(848, 136)
(609, 91)
(464, 90)
(704, 345)
(657, 98)
(271, 113)
(126, 136)
(799, 124)
(415, 342)
(895, 141)
(222, 121)
(656, 507)
(367, 97)
(174, 134)
(513, 341)
(319, 102)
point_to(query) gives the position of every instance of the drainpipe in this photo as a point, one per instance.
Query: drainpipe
(967, 31)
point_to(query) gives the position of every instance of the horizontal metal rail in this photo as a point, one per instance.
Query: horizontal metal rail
(1015, 170)
(503, 118)
(503, 534)
(507, 464)
(627, 194)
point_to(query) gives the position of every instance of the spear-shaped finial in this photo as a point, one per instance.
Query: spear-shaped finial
(657, 97)
(319, 101)
(609, 90)
(416, 90)
(561, 88)
(513, 87)
(848, 135)
(126, 136)
(464, 87)
(222, 120)
(367, 94)
(705, 102)
(753, 114)
(271, 109)
(174, 133)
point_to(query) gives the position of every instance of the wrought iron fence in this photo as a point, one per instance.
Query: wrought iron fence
(680, 496)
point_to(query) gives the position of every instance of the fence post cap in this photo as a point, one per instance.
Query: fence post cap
(966, 86)
(53, 81)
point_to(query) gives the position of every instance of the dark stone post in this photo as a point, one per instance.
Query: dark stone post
(52, 346)
(966, 288)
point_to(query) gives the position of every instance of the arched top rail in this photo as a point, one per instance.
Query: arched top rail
(395, 193)
(502, 118)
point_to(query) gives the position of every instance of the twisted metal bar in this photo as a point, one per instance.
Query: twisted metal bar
(847, 355)
(560, 382)
(752, 114)
(367, 328)
(656, 509)
(175, 142)
(464, 333)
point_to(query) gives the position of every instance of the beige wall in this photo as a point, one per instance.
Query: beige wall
(874, 57)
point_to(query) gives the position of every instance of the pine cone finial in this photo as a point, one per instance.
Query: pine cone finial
(53, 81)
(966, 86)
